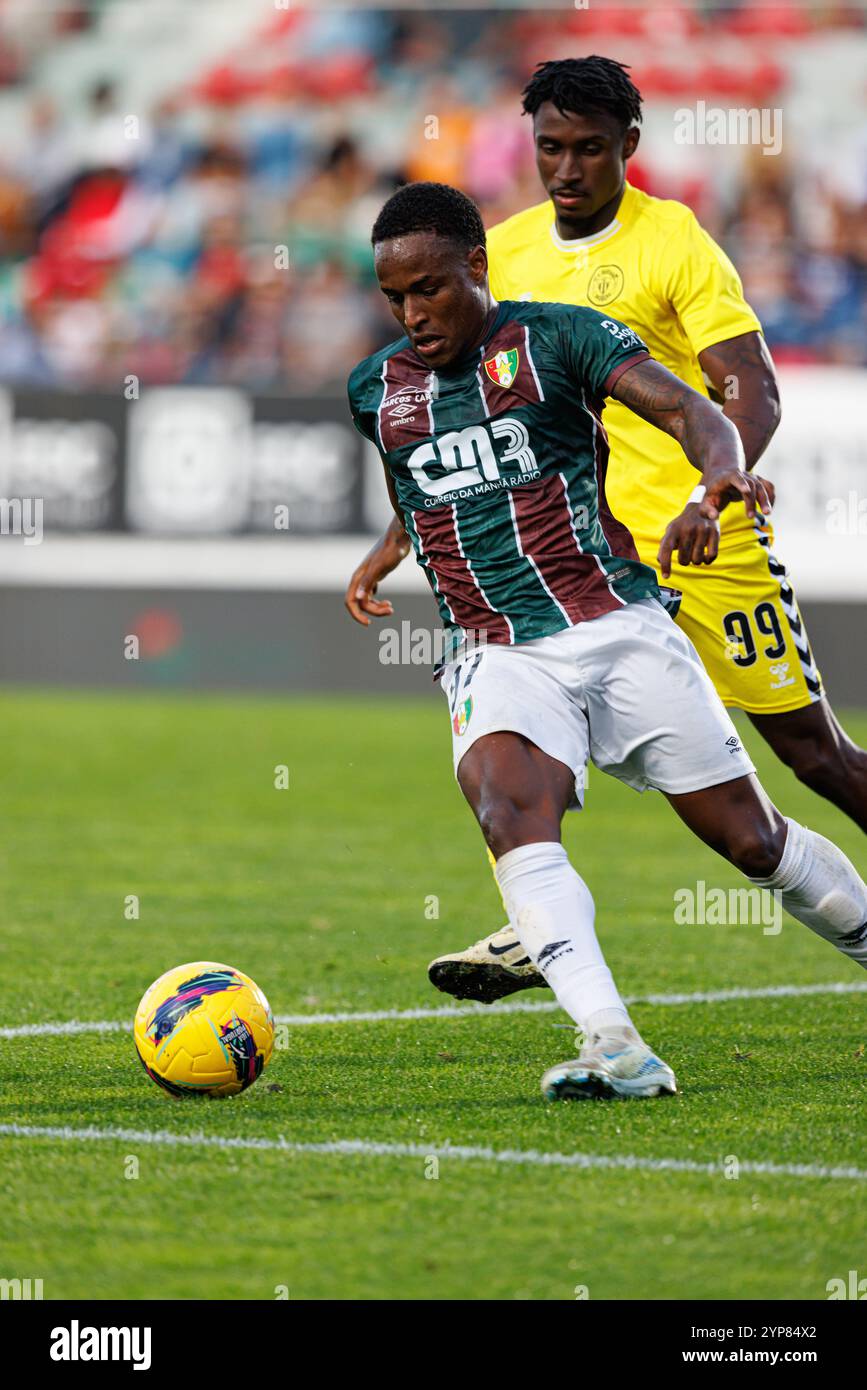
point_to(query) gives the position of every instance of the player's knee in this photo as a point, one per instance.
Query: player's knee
(506, 824)
(756, 849)
(500, 822)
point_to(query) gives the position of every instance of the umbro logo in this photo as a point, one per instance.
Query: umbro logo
(854, 938)
(406, 403)
(549, 951)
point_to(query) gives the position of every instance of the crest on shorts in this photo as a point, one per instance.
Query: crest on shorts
(502, 368)
(462, 716)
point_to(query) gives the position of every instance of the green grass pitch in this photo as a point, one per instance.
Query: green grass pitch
(323, 892)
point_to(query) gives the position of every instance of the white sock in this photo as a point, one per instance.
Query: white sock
(552, 912)
(820, 887)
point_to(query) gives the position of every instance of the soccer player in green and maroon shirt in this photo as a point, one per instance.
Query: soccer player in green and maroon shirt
(487, 419)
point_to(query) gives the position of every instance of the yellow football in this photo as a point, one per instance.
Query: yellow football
(204, 1029)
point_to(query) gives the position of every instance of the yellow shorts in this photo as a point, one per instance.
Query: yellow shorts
(742, 615)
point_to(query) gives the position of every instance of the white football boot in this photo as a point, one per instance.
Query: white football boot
(609, 1067)
(494, 967)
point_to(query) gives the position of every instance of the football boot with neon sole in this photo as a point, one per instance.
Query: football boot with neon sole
(607, 1068)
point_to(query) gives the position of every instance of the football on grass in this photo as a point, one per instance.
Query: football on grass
(204, 1029)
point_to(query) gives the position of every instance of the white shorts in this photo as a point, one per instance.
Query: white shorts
(627, 690)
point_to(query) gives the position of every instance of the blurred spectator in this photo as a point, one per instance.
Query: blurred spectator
(106, 138)
(442, 136)
(223, 234)
(46, 157)
(499, 149)
(322, 215)
(328, 328)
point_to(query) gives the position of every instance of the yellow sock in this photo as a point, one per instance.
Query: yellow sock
(493, 863)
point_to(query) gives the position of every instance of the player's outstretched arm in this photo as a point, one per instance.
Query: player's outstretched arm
(741, 371)
(712, 445)
(360, 598)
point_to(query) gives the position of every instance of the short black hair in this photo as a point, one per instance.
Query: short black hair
(431, 207)
(585, 85)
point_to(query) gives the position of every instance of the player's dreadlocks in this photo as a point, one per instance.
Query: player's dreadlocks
(431, 207)
(585, 85)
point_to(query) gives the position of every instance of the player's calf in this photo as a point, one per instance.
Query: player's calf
(817, 884)
(820, 887)
(820, 753)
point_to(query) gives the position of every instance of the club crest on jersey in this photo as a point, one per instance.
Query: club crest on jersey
(606, 283)
(502, 368)
(462, 714)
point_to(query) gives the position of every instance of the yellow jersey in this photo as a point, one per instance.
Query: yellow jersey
(655, 268)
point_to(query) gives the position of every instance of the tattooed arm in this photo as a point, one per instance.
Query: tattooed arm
(711, 443)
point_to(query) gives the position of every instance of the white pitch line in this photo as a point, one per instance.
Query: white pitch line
(370, 1148)
(467, 1010)
(60, 1030)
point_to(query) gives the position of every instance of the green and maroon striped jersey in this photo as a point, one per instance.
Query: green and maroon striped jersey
(499, 467)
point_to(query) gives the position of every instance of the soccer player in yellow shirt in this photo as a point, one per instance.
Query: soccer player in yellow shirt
(598, 241)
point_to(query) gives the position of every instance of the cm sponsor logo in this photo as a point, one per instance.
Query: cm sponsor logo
(467, 458)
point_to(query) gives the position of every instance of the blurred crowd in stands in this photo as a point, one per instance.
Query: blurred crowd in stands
(221, 236)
